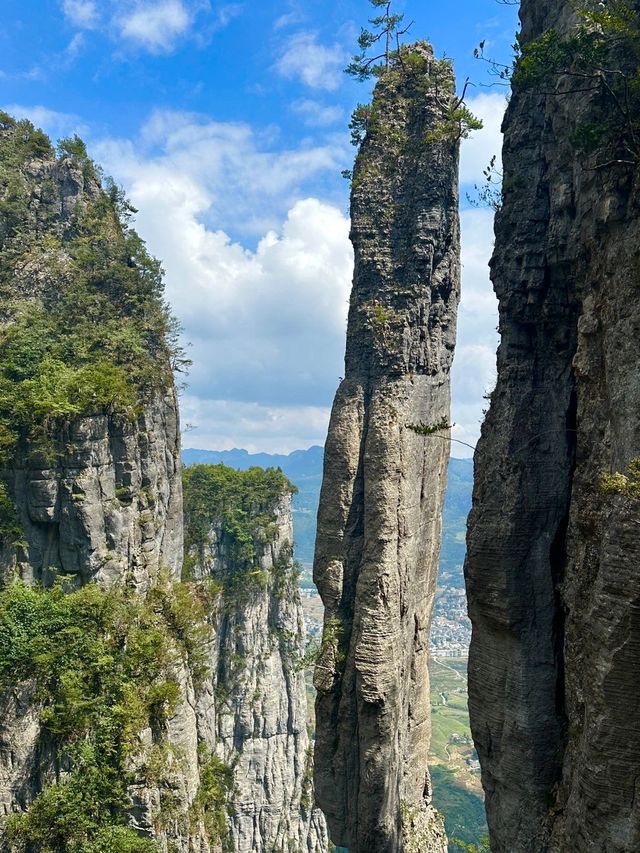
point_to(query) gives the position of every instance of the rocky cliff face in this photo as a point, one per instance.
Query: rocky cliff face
(149, 702)
(89, 429)
(110, 507)
(381, 501)
(253, 709)
(91, 485)
(552, 566)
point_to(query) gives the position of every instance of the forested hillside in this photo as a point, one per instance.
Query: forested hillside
(304, 469)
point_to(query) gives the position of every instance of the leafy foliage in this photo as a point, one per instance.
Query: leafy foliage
(430, 429)
(385, 35)
(459, 123)
(361, 119)
(490, 193)
(242, 502)
(623, 484)
(85, 327)
(482, 847)
(429, 75)
(601, 55)
(211, 804)
(100, 664)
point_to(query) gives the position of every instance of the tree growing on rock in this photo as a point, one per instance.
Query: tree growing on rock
(384, 37)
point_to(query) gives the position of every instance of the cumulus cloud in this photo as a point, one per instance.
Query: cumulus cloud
(231, 175)
(52, 122)
(155, 26)
(315, 114)
(474, 366)
(318, 66)
(483, 144)
(81, 13)
(266, 324)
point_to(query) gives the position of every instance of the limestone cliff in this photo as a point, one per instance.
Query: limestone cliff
(253, 709)
(90, 491)
(89, 431)
(384, 478)
(552, 566)
(149, 702)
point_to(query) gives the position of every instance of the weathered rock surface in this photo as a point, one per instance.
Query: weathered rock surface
(110, 507)
(552, 566)
(381, 501)
(105, 505)
(253, 710)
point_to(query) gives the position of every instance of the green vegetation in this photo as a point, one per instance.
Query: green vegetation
(361, 120)
(382, 54)
(623, 484)
(449, 712)
(430, 429)
(463, 810)
(489, 194)
(100, 665)
(386, 35)
(482, 847)
(85, 328)
(211, 804)
(243, 504)
(456, 789)
(459, 123)
(601, 55)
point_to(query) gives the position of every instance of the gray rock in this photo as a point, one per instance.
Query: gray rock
(253, 710)
(552, 566)
(381, 501)
(111, 508)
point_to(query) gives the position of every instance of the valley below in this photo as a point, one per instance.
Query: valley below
(454, 765)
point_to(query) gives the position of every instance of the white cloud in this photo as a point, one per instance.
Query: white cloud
(74, 48)
(474, 366)
(81, 13)
(484, 144)
(315, 114)
(233, 176)
(226, 14)
(316, 65)
(223, 425)
(267, 325)
(155, 26)
(289, 19)
(52, 122)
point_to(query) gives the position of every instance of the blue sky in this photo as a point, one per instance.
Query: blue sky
(227, 125)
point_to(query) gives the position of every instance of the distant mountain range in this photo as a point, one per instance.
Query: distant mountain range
(304, 469)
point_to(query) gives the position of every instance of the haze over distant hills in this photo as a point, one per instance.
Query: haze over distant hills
(304, 469)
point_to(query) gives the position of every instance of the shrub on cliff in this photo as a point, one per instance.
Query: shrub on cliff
(101, 667)
(85, 328)
(242, 503)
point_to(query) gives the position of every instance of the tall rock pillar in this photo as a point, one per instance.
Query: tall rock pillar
(552, 569)
(381, 501)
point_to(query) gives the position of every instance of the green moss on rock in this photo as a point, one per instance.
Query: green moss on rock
(243, 504)
(101, 665)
